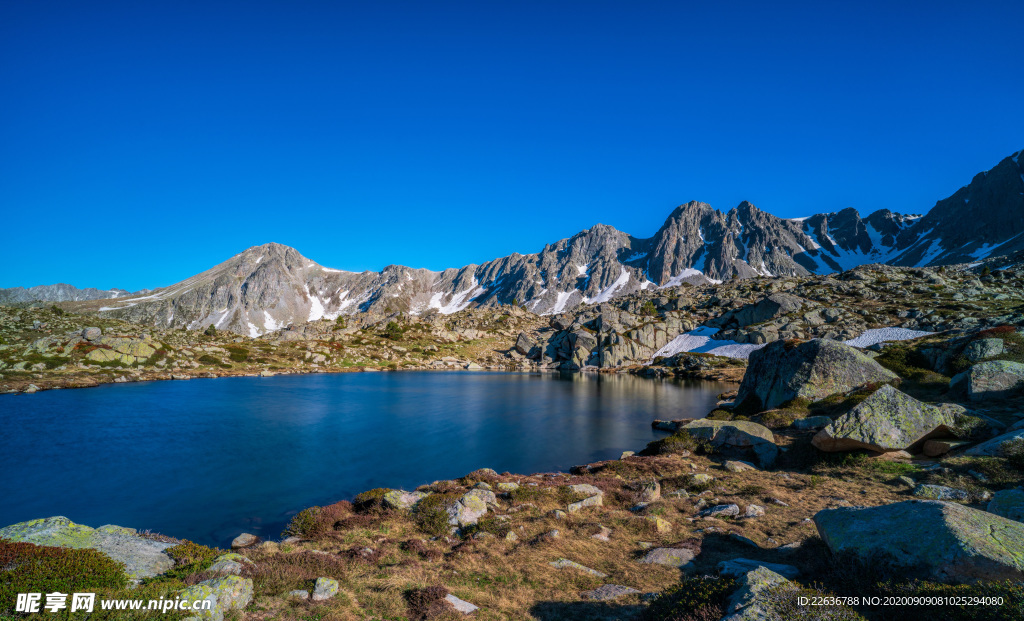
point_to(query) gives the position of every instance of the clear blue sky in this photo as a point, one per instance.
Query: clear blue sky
(142, 142)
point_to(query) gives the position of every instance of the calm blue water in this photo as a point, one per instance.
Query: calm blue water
(208, 459)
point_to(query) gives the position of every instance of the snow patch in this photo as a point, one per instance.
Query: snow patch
(607, 293)
(677, 280)
(582, 269)
(560, 301)
(881, 335)
(269, 323)
(700, 341)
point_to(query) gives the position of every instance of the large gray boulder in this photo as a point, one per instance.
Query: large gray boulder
(785, 370)
(995, 379)
(737, 435)
(1008, 503)
(888, 420)
(226, 593)
(751, 601)
(949, 542)
(998, 446)
(143, 558)
(765, 309)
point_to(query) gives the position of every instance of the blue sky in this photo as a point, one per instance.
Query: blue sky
(143, 142)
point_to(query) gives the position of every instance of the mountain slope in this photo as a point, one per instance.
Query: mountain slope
(271, 286)
(60, 292)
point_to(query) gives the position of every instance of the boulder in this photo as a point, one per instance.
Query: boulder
(325, 588)
(401, 500)
(608, 592)
(564, 563)
(976, 351)
(741, 435)
(229, 592)
(721, 511)
(670, 557)
(733, 465)
(941, 492)
(244, 540)
(1008, 503)
(786, 370)
(524, 345)
(91, 333)
(143, 558)
(996, 379)
(888, 420)
(999, 445)
(461, 605)
(738, 567)
(467, 510)
(947, 541)
(937, 448)
(811, 422)
(648, 491)
(748, 602)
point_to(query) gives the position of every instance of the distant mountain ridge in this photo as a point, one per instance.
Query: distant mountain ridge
(271, 286)
(61, 292)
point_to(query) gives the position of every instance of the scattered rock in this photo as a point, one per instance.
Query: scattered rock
(298, 594)
(754, 511)
(564, 563)
(244, 540)
(608, 592)
(670, 557)
(91, 333)
(738, 466)
(662, 526)
(741, 566)
(941, 492)
(401, 500)
(937, 448)
(602, 535)
(648, 491)
(461, 605)
(325, 588)
(721, 511)
(999, 445)
(226, 593)
(811, 422)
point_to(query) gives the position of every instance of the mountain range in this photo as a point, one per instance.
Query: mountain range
(271, 286)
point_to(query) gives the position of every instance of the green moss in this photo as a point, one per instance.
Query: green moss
(238, 354)
(191, 558)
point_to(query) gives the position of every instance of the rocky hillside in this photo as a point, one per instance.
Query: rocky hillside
(272, 286)
(60, 292)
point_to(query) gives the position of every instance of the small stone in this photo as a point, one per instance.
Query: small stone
(740, 566)
(91, 333)
(593, 501)
(558, 514)
(325, 588)
(244, 540)
(564, 563)
(608, 592)
(754, 511)
(626, 454)
(738, 466)
(649, 491)
(662, 526)
(511, 536)
(299, 594)
(907, 481)
(721, 511)
(941, 492)
(670, 557)
(602, 535)
(552, 535)
(507, 486)
(461, 605)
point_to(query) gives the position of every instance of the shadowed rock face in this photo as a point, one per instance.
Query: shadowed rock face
(271, 286)
(949, 542)
(786, 370)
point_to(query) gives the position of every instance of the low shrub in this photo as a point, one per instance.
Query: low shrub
(431, 514)
(428, 603)
(191, 558)
(238, 354)
(316, 522)
(28, 568)
(370, 500)
(677, 443)
(694, 599)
